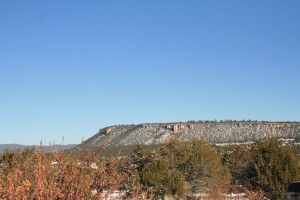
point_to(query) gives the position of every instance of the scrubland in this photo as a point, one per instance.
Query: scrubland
(176, 169)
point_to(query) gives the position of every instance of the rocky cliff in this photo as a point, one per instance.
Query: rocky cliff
(213, 132)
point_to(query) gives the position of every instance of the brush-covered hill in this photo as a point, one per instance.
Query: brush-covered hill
(212, 131)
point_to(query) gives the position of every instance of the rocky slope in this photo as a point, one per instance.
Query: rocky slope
(214, 132)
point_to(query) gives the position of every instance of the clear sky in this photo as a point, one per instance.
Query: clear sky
(68, 68)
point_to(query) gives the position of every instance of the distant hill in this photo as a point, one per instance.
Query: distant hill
(47, 149)
(220, 133)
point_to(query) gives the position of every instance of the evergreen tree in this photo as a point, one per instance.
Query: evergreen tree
(272, 167)
(178, 167)
(199, 163)
(237, 161)
(164, 181)
(153, 172)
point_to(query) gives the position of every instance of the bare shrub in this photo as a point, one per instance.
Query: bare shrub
(30, 174)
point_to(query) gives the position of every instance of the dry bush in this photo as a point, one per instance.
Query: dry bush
(59, 175)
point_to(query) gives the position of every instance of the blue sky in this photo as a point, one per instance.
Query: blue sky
(68, 68)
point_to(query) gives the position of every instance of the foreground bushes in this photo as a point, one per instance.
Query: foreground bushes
(176, 168)
(273, 166)
(267, 166)
(31, 174)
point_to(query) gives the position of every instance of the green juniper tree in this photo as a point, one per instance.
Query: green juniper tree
(153, 172)
(199, 163)
(180, 167)
(272, 167)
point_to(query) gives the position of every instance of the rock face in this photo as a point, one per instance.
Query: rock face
(213, 132)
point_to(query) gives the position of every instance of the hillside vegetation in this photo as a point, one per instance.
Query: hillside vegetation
(223, 132)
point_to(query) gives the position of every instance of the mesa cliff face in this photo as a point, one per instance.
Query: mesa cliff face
(213, 132)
